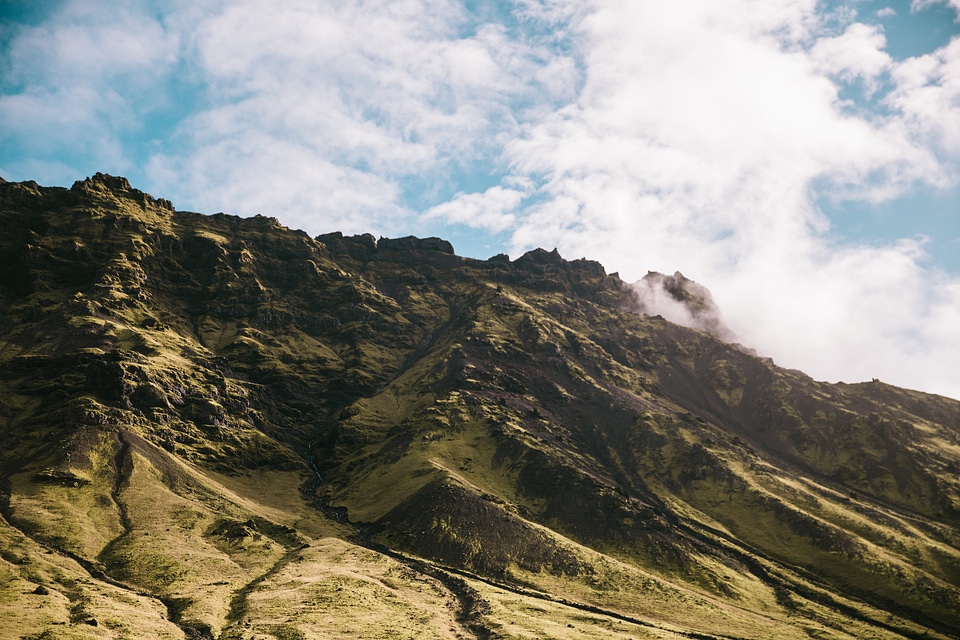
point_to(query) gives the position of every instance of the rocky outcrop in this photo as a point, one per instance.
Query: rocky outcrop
(412, 243)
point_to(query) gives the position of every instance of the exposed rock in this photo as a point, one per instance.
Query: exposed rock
(412, 243)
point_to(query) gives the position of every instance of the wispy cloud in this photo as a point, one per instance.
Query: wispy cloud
(79, 83)
(856, 54)
(927, 97)
(367, 95)
(919, 5)
(493, 210)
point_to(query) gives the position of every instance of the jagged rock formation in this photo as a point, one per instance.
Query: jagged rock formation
(220, 427)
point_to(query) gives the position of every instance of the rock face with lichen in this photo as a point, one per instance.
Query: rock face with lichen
(218, 427)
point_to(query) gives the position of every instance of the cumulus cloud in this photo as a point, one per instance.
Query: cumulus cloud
(856, 54)
(92, 41)
(681, 301)
(919, 5)
(494, 209)
(356, 101)
(687, 130)
(278, 177)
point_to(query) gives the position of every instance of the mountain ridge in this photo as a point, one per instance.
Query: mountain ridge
(219, 426)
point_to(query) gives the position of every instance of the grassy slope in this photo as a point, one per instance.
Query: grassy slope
(203, 417)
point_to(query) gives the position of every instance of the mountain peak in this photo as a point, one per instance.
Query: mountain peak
(114, 183)
(683, 301)
(105, 185)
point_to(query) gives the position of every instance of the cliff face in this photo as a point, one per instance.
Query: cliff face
(217, 426)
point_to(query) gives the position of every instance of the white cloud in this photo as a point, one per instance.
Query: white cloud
(493, 210)
(39, 112)
(385, 92)
(88, 41)
(857, 53)
(919, 5)
(706, 124)
(307, 192)
(371, 93)
(80, 81)
(927, 94)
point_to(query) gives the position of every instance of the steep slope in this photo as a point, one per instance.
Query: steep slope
(216, 427)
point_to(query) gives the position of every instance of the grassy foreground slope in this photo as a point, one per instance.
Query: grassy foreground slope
(219, 427)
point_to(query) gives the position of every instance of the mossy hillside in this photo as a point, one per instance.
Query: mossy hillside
(443, 543)
(337, 590)
(225, 391)
(174, 537)
(190, 553)
(75, 504)
(814, 527)
(727, 380)
(45, 592)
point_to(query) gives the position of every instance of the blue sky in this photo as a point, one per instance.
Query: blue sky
(799, 158)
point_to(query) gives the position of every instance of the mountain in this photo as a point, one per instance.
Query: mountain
(217, 427)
